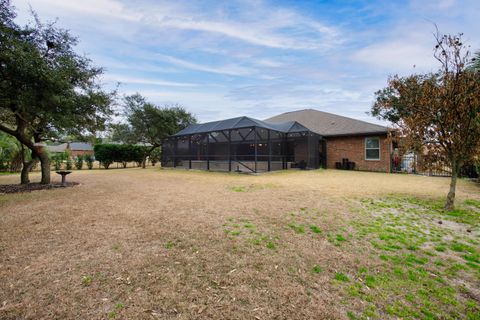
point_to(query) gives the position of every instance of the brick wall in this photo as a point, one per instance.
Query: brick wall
(74, 153)
(353, 148)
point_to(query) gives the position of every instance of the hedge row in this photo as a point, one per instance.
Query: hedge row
(124, 153)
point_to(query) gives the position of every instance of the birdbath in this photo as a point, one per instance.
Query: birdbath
(64, 173)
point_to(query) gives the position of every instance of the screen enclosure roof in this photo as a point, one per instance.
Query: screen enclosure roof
(241, 122)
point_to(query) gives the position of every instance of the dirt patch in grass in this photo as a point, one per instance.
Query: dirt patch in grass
(148, 244)
(19, 188)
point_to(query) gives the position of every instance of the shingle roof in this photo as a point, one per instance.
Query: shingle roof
(57, 148)
(80, 146)
(241, 122)
(328, 124)
(74, 146)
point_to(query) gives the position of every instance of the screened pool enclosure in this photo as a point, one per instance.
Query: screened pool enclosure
(244, 144)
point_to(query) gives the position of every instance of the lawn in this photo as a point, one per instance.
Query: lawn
(165, 244)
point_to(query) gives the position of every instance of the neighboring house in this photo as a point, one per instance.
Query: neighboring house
(59, 148)
(306, 139)
(73, 148)
(361, 142)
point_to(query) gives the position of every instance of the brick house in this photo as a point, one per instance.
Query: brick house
(300, 139)
(361, 142)
(73, 148)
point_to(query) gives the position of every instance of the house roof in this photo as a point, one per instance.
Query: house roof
(328, 124)
(80, 146)
(57, 148)
(241, 122)
(74, 146)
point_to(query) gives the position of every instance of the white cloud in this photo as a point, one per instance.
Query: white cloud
(255, 34)
(398, 56)
(146, 81)
(231, 69)
(107, 8)
(264, 26)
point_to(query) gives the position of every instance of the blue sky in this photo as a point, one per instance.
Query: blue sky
(259, 58)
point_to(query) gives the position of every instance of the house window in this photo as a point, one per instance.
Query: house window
(372, 149)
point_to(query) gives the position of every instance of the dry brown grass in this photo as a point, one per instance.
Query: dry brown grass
(146, 244)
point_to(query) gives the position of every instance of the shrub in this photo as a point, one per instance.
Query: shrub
(79, 162)
(58, 158)
(104, 154)
(89, 159)
(155, 156)
(109, 153)
(69, 163)
(57, 162)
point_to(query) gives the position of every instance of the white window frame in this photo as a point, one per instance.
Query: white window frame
(379, 149)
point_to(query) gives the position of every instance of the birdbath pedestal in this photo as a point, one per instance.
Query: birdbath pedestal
(64, 174)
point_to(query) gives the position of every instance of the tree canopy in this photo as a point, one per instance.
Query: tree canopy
(437, 114)
(475, 63)
(46, 88)
(106, 154)
(149, 124)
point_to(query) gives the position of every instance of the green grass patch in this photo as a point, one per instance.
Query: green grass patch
(270, 245)
(259, 240)
(316, 269)
(298, 228)
(113, 314)
(473, 203)
(238, 189)
(370, 281)
(315, 229)
(461, 247)
(169, 245)
(249, 226)
(252, 187)
(341, 277)
(419, 258)
(87, 280)
(472, 257)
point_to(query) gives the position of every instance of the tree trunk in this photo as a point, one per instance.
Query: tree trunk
(450, 204)
(36, 148)
(45, 164)
(147, 154)
(26, 168)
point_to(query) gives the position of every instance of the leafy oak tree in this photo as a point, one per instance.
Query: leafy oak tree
(437, 114)
(149, 124)
(46, 89)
